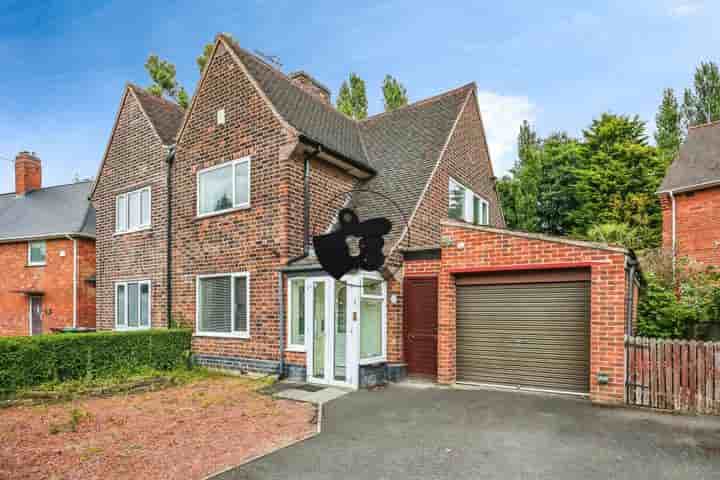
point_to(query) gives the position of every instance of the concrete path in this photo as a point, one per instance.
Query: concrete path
(410, 433)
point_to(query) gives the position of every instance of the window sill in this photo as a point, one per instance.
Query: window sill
(203, 216)
(32, 265)
(131, 329)
(241, 336)
(370, 361)
(295, 348)
(137, 230)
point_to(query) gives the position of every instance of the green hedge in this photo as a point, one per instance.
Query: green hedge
(27, 361)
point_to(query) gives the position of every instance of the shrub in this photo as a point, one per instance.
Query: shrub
(28, 361)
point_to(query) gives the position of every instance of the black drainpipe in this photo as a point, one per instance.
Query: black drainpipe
(168, 304)
(306, 251)
(630, 296)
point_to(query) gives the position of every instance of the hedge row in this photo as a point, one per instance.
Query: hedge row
(27, 361)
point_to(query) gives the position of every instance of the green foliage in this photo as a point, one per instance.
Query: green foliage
(162, 73)
(352, 98)
(394, 93)
(528, 143)
(615, 234)
(203, 59)
(41, 359)
(669, 134)
(701, 104)
(660, 313)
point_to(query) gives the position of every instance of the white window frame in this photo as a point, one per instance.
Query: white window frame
(125, 284)
(125, 197)
(383, 329)
(469, 201)
(29, 261)
(294, 347)
(236, 206)
(233, 334)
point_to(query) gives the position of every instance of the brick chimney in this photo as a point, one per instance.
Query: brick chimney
(306, 81)
(28, 173)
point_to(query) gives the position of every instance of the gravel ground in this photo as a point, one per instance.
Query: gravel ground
(184, 432)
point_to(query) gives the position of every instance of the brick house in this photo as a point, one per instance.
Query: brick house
(690, 197)
(47, 249)
(260, 163)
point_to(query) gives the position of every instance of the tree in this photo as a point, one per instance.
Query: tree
(702, 104)
(205, 57)
(669, 134)
(394, 93)
(352, 98)
(527, 140)
(163, 74)
(615, 234)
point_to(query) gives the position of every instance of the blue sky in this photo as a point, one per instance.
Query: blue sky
(558, 63)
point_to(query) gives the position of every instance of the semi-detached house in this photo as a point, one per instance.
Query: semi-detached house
(204, 219)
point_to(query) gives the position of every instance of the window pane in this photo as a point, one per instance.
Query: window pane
(485, 214)
(216, 190)
(370, 328)
(215, 307)
(477, 212)
(297, 312)
(372, 286)
(456, 201)
(144, 305)
(121, 213)
(37, 252)
(145, 207)
(132, 294)
(134, 210)
(241, 306)
(242, 183)
(341, 307)
(120, 302)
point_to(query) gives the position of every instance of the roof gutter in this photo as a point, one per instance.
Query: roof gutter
(688, 188)
(47, 236)
(359, 165)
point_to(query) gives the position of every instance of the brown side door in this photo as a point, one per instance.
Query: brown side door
(420, 325)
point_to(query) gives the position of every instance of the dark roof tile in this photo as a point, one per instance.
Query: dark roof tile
(166, 116)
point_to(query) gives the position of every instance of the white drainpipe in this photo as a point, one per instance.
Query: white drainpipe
(75, 279)
(674, 235)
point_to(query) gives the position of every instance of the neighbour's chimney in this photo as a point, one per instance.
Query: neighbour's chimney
(28, 173)
(305, 81)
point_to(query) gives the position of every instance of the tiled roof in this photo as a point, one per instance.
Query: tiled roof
(64, 209)
(166, 116)
(698, 161)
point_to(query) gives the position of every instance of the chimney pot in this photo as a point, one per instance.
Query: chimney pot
(308, 83)
(28, 172)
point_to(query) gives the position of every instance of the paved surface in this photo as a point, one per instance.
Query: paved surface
(410, 433)
(321, 396)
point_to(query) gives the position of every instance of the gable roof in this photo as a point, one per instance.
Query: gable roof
(165, 116)
(698, 162)
(47, 212)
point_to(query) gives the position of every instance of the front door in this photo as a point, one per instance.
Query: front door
(420, 332)
(329, 355)
(36, 316)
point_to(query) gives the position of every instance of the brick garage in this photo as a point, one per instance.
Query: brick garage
(476, 250)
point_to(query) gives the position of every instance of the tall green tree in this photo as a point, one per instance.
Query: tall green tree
(352, 98)
(203, 59)
(394, 93)
(163, 75)
(528, 141)
(344, 100)
(669, 134)
(701, 104)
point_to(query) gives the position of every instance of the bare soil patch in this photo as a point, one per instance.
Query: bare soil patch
(186, 432)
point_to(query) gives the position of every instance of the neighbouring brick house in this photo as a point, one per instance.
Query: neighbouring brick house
(690, 197)
(261, 163)
(47, 252)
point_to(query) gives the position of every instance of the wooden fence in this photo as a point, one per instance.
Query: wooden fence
(676, 375)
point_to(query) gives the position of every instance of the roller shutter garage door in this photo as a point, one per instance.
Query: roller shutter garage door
(533, 335)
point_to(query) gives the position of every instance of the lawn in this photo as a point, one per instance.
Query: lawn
(203, 424)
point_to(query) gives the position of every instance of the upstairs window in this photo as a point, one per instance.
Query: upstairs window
(132, 211)
(467, 206)
(37, 253)
(224, 187)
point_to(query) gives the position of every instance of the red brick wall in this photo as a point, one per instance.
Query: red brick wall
(697, 224)
(135, 159)
(55, 279)
(86, 290)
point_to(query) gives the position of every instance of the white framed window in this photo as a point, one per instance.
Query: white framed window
(373, 321)
(467, 206)
(223, 188)
(132, 211)
(132, 305)
(223, 305)
(37, 253)
(296, 315)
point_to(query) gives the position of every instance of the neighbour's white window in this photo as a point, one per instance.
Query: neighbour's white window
(223, 305)
(37, 253)
(224, 187)
(296, 314)
(132, 305)
(372, 303)
(132, 211)
(467, 206)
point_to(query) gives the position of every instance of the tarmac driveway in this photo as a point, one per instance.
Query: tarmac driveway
(410, 433)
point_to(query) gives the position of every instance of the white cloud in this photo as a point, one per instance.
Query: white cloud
(502, 116)
(685, 8)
